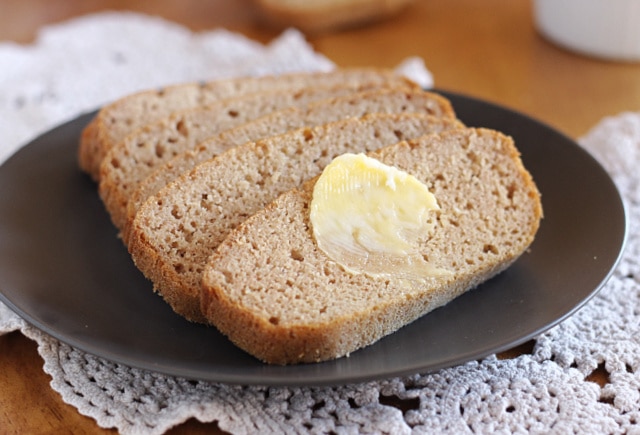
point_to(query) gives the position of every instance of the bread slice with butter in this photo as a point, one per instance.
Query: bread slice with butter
(271, 289)
(177, 229)
(122, 117)
(134, 158)
(388, 100)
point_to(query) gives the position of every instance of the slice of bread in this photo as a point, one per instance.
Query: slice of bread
(395, 100)
(177, 229)
(131, 160)
(318, 16)
(118, 119)
(276, 295)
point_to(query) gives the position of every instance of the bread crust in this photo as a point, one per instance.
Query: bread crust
(285, 308)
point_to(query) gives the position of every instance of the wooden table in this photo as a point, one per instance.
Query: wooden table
(487, 49)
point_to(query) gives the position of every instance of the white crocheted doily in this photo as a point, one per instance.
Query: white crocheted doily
(78, 65)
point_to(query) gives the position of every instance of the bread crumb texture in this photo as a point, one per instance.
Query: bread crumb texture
(176, 230)
(276, 295)
(217, 216)
(124, 116)
(356, 104)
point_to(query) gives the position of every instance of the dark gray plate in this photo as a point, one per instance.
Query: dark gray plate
(63, 269)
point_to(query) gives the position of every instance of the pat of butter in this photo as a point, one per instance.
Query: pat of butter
(369, 217)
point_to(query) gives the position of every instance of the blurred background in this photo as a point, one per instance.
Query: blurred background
(489, 49)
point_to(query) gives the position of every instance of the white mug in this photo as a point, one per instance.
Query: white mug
(607, 29)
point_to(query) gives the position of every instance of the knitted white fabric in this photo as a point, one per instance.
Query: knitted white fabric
(76, 66)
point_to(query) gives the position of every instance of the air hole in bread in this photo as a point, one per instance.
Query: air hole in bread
(115, 163)
(473, 156)
(175, 212)
(205, 204)
(233, 113)
(489, 248)
(297, 255)
(274, 320)
(181, 127)
(160, 149)
(511, 191)
(398, 134)
(308, 134)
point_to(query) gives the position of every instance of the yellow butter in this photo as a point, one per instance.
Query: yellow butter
(369, 217)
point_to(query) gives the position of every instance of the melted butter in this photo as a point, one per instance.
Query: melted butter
(369, 217)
